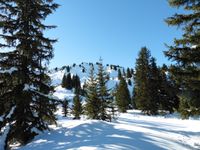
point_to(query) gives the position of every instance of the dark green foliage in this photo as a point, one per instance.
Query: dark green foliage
(103, 93)
(119, 74)
(133, 98)
(122, 96)
(185, 52)
(142, 82)
(115, 68)
(68, 69)
(129, 82)
(153, 90)
(77, 109)
(68, 83)
(153, 86)
(65, 106)
(24, 91)
(64, 81)
(76, 83)
(147, 83)
(92, 107)
(168, 99)
(128, 73)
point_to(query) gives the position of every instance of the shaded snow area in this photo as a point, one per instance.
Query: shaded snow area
(10, 71)
(131, 131)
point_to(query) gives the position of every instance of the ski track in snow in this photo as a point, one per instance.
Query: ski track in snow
(131, 131)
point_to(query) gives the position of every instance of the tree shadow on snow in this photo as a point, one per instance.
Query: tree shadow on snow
(100, 135)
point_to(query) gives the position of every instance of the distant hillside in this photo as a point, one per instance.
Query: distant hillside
(82, 70)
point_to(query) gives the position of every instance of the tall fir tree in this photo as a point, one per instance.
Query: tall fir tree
(154, 85)
(69, 82)
(122, 96)
(65, 106)
(25, 99)
(143, 98)
(76, 83)
(64, 81)
(103, 92)
(77, 108)
(119, 74)
(128, 73)
(93, 104)
(168, 99)
(186, 52)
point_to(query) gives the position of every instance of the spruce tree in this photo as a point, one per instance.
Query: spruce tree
(93, 104)
(68, 69)
(129, 82)
(185, 52)
(154, 85)
(77, 109)
(103, 92)
(168, 90)
(65, 106)
(143, 98)
(25, 99)
(68, 82)
(119, 74)
(128, 73)
(122, 96)
(64, 81)
(76, 83)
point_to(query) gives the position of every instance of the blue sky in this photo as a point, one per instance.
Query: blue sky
(112, 29)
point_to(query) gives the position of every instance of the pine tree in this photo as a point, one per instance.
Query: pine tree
(122, 97)
(65, 106)
(168, 99)
(128, 73)
(103, 92)
(154, 85)
(76, 83)
(93, 104)
(133, 99)
(26, 101)
(186, 52)
(124, 73)
(77, 109)
(143, 98)
(129, 82)
(64, 81)
(68, 69)
(68, 81)
(119, 74)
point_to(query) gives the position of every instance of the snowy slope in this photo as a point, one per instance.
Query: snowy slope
(132, 131)
(57, 75)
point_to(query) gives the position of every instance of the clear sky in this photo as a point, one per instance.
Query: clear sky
(112, 29)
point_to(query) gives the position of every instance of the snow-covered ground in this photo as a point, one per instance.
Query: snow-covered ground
(131, 131)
